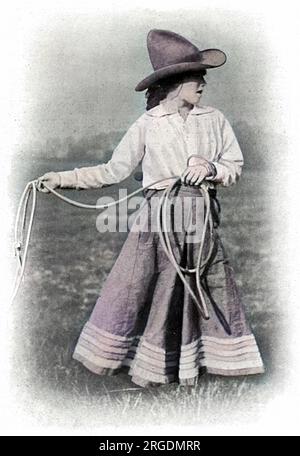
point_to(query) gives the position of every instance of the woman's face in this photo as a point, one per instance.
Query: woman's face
(192, 89)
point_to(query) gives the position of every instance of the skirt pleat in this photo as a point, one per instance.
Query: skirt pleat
(145, 321)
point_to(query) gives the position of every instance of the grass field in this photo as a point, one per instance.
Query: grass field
(67, 265)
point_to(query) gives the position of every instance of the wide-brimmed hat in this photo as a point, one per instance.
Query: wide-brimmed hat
(172, 54)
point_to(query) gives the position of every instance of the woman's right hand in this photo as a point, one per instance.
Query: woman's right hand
(51, 179)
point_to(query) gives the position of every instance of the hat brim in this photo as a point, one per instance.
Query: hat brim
(209, 58)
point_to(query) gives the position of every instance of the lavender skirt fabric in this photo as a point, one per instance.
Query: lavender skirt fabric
(146, 323)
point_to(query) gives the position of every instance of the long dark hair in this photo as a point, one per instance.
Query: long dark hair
(159, 90)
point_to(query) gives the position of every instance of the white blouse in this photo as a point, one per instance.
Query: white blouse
(162, 141)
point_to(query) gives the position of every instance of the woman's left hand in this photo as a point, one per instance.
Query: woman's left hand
(194, 175)
(198, 169)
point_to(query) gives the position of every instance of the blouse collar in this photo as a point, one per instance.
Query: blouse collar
(170, 107)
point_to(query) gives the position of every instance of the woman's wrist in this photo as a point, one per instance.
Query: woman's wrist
(213, 170)
(68, 179)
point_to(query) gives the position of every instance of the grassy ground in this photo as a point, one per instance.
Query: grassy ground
(67, 265)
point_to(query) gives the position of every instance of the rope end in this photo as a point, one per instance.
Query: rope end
(17, 247)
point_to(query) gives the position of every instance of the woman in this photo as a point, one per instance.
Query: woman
(145, 319)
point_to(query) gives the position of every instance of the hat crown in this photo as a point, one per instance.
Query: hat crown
(168, 48)
(172, 54)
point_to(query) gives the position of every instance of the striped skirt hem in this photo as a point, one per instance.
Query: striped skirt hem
(107, 354)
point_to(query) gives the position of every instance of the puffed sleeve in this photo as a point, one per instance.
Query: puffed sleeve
(230, 158)
(126, 156)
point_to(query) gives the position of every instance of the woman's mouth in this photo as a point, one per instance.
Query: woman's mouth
(199, 91)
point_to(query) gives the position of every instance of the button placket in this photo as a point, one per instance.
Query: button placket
(185, 131)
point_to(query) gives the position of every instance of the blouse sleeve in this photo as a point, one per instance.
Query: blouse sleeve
(126, 156)
(230, 160)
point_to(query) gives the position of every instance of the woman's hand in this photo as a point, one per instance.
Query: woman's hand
(194, 175)
(51, 179)
(198, 169)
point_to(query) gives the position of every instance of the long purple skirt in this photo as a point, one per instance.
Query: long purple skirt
(146, 323)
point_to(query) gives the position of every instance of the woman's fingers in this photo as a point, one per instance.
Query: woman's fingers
(184, 174)
(40, 185)
(194, 175)
(200, 178)
(51, 179)
(188, 177)
(198, 181)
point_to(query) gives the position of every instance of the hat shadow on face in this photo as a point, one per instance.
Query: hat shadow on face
(158, 91)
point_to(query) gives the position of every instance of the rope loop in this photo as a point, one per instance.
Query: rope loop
(30, 193)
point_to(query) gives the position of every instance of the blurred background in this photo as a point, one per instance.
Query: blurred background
(79, 100)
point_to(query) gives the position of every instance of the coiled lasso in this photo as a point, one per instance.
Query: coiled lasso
(21, 246)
